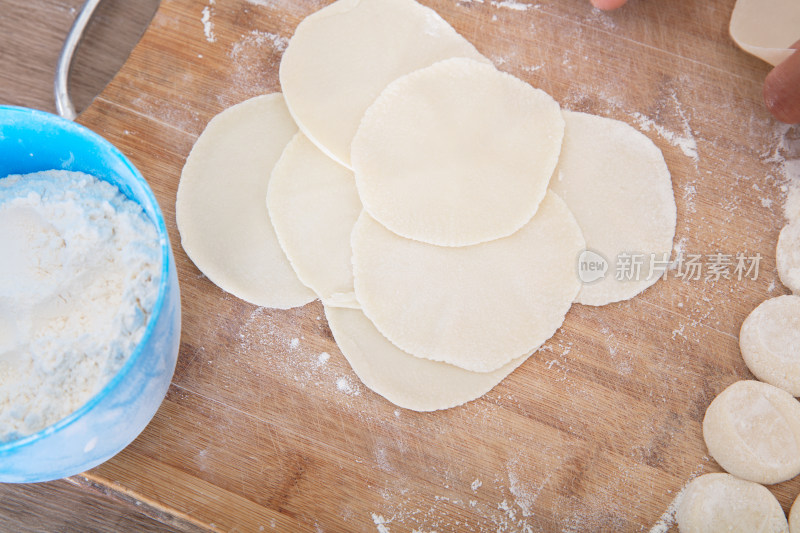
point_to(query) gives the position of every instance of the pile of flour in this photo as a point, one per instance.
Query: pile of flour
(79, 275)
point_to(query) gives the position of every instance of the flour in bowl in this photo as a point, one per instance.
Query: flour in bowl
(79, 276)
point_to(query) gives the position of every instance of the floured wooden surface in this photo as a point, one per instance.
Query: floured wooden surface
(266, 425)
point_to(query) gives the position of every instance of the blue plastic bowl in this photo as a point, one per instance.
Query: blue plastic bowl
(32, 141)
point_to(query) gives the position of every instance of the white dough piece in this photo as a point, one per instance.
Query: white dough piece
(717, 503)
(615, 181)
(313, 204)
(752, 430)
(457, 153)
(476, 307)
(766, 28)
(341, 58)
(406, 381)
(220, 209)
(770, 342)
(787, 256)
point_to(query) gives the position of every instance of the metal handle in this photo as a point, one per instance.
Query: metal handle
(61, 86)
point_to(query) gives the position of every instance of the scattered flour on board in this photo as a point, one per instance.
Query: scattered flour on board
(505, 4)
(524, 492)
(208, 25)
(772, 286)
(257, 39)
(602, 17)
(279, 42)
(511, 4)
(685, 141)
(561, 361)
(276, 342)
(786, 156)
(253, 64)
(679, 332)
(677, 251)
(295, 362)
(667, 519)
(619, 354)
(689, 194)
(344, 385)
(522, 489)
(533, 68)
(381, 523)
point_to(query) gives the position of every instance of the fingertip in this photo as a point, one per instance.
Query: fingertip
(607, 5)
(782, 90)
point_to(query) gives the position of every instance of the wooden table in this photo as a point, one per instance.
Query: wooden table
(598, 431)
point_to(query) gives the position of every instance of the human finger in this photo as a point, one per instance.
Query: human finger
(782, 89)
(608, 4)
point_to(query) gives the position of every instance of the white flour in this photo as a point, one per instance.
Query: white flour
(208, 26)
(79, 269)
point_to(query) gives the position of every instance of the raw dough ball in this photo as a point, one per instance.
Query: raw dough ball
(476, 307)
(722, 503)
(787, 256)
(341, 58)
(770, 342)
(313, 204)
(406, 381)
(457, 153)
(752, 430)
(766, 28)
(794, 517)
(615, 181)
(220, 210)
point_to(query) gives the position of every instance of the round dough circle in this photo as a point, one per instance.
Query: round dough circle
(313, 204)
(457, 153)
(787, 256)
(716, 503)
(476, 307)
(341, 58)
(770, 342)
(766, 29)
(220, 209)
(615, 181)
(406, 381)
(752, 430)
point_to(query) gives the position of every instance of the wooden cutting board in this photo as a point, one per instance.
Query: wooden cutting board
(597, 431)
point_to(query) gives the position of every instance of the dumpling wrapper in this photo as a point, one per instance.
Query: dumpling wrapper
(752, 430)
(406, 381)
(716, 503)
(766, 28)
(770, 342)
(787, 256)
(341, 58)
(616, 183)
(476, 307)
(220, 209)
(457, 153)
(313, 204)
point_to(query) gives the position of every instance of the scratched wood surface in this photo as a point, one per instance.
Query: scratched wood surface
(597, 431)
